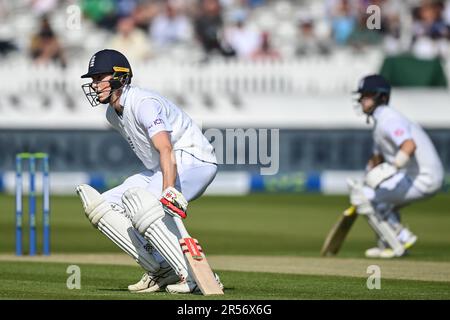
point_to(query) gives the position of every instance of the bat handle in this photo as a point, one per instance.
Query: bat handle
(181, 227)
(179, 223)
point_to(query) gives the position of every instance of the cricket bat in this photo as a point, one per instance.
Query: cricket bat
(338, 232)
(199, 266)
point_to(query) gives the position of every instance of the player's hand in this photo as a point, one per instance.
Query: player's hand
(174, 200)
(358, 197)
(379, 174)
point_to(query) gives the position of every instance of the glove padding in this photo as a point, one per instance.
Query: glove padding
(358, 198)
(379, 174)
(175, 202)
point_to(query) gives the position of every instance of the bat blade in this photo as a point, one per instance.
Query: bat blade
(201, 271)
(338, 232)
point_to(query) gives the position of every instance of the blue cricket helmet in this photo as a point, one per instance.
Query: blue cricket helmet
(107, 61)
(374, 84)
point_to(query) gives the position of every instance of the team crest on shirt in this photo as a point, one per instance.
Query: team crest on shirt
(399, 132)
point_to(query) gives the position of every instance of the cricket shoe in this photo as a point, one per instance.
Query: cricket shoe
(383, 253)
(154, 282)
(406, 238)
(189, 286)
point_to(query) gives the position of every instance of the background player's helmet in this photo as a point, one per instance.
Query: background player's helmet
(377, 85)
(107, 61)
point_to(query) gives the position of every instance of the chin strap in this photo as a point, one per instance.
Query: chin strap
(117, 83)
(370, 115)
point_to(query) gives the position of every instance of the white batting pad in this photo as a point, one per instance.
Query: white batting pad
(385, 232)
(117, 228)
(168, 246)
(120, 230)
(93, 203)
(158, 228)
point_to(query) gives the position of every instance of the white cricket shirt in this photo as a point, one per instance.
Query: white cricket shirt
(146, 113)
(390, 131)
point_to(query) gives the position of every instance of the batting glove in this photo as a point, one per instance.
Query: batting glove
(175, 202)
(379, 174)
(358, 198)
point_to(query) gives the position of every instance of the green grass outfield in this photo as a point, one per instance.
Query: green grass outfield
(242, 236)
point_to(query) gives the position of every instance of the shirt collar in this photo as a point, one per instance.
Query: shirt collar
(123, 96)
(378, 111)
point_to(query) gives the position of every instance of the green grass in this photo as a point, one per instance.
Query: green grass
(260, 224)
(48, 281)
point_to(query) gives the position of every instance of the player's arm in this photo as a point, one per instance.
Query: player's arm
(374, 160)
(152, 117)
(406, 151)
(400, 134)
(162, 143)
(171, 197)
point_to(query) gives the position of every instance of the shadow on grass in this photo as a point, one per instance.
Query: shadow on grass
(114, 290)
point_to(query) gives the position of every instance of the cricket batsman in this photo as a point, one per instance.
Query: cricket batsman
(180, 164)
(403, 168)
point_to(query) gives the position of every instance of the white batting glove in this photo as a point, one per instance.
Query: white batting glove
(174, 200)
(379, 174)
(358, 198)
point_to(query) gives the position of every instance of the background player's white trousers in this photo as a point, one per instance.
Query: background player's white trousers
(193, 178)
(394, 193)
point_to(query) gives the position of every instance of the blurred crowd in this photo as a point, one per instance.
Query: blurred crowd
(233, 29)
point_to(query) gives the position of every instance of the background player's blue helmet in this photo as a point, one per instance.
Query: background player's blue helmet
(374, 84)
(107, 61)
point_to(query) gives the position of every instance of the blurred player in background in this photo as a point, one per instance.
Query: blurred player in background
(403, 168)
(180, 163)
